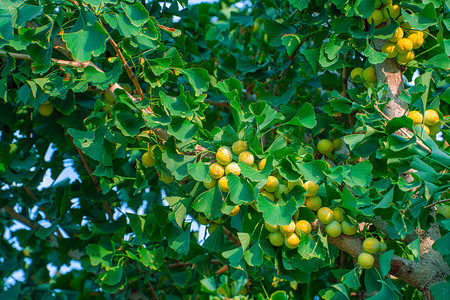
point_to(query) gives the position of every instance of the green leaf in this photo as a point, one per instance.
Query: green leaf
(423, 19)
(112, 276)
(129, 122)
(279, 295)
(180, 207)
(136, 13)
(364, 8)
(152, 259)
(276, 213)
(336, 292)
(299, 4)
(414, 246)
(385, 262)
(137, 224)
(360, 175)
(46, 232)
(292, 42)
(374, 56)
(351, 279)
(87, 42)
(254, 255)
(209, 203)
(440, 291)
(275, 31)
(304, 117)
(241, 191)
(101, 252)
(313, 170)
(442, 245)
(235, 256)
(198, 78)
(178, 164)
(182, 129)
(198, 171)
(6, 24)
(27, 13)
(265, 115)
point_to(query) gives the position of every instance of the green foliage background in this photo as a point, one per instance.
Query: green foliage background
(268, 72)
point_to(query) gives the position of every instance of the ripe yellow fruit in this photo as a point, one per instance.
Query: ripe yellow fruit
(234, 211)
(426, 129)
(416, 116)
(311, 188)
(325, 215)
(303, 226)
(417, 39)
(371, 245)
(281, 190)
(262, 164)
(276, 238)
(216, 170)
(223, 184)
(314, 203)
(383, 247)
(444, 210)
(271, 228)
(272, 184)
(348, 229)
(404, 45)
(376, 17)
(233, 167)
(369, 75)
(337, 144)
(435, 129)
(148, 159)
(291, 240)
(238, 147)
(247, 158)
(268, 195)
(288, 228)
(398, 35)
(291, 184)
(431, 117)
(391, 10)
(403, 59)
(338, 214)
(166, 178)
(366, 260)
(390, 49)
(325, 147)
(45, 109)
(334, 229)
(224, 156)
(357, 75)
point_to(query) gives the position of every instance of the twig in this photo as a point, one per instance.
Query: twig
(94, 180)
(60, 62)
(407, 134)
(219, 104)
(150, 286)
(437, 202)
(231, 237)
(345, 77)
(25, 221)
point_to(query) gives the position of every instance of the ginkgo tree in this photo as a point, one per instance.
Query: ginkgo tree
(253, 149)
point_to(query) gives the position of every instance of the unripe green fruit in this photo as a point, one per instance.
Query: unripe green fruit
(390, 49)
(431, 117)
(303, 226)
(325, 215)
(148, 159)
(383, 247)
(291, 240)
(288, 228)
(325, 147)
(337, 144)
(203, 220)
(403, 59)
(371, 245)
(338, 214)
(444, 210)
(386, 2)
(376, 17)
(224, 156)
(348, 229)
(314, 203)
(127, 88)
(434, 129)
(334, 229)
(276, 238)
(398, 35)
(238, 147)
(366, 260)
(281, 190)
(271, 228)
(404, 45)
(311, 188)
(357, 75)
(377, 4)
(233, 167)
(416, 116)
(45, 109)
(272, 184)
(291, 184)
(268, 195)
(247, 158)
(166, 178)
(216, 170)
(109, 98)
(223, 184)
(369, 75)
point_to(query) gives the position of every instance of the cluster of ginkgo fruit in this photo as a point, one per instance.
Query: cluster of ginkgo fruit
(405, 39)
(148, 160)
(370, 245)
(366, 76)
(429, 121)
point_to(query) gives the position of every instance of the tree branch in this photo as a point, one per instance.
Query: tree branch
(437, 202)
